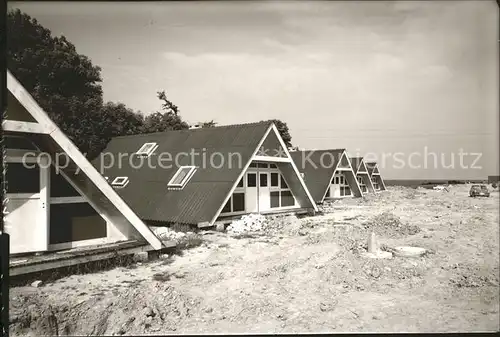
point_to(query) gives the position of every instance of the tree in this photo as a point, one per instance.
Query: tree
(209, 124)
(283, 130)
(64, 83)
(166, 120)
(118, 120)
(167, 105)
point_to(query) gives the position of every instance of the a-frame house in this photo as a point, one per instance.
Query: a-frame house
(56, 199)
(361, 171)
(328, 174)
(376, 178)
(205, 175)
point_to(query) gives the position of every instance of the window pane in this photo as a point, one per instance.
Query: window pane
(238, 202)
(274, 179)
(287, 199)
(60, 187)
(146, 148)
(347, 190)
(21, 179)
(283, 183)
(252, 179)
(74, 222)
(263, 180)
(273, 166)
(262, 165)
(240, 184)
(227, 207)
(253, 164)
(275, 199)
(182, 174)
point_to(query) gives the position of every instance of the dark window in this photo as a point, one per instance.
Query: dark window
(21, 179)
(240, 184)
(262, 165)
(75, 222)
(347, 190)
(287, 199)
(283, 183)
(275, 179)
(275, 199)
(273, 166)
(238, 202)
(60, 187)
(253, 164)
(263, 180)
(252, 179)
(15, 142)
(227, 207)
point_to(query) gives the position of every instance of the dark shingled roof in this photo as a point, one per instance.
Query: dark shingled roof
(147, 192)
(356, 162)
(317, 177)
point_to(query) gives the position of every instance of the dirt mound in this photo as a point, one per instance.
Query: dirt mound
(390, 225)
(471, 276)
(142, 309)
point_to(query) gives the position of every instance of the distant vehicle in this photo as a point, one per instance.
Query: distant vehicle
(479, 191)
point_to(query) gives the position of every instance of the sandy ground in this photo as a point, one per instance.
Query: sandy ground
(304, 275)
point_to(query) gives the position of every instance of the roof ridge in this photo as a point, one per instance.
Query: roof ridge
(341, 149)
(195, 130)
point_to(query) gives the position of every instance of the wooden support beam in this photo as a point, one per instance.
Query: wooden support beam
(44, 222)
(67, 200)
(25, 267)
(28, 127)
(272, 159)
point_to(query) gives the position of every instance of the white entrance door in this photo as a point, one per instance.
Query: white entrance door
(27, 210)
(264, 192)
(335, 186)
(23, 223)
(251, 195)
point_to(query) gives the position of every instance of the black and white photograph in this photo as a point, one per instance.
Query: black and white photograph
(249, 167)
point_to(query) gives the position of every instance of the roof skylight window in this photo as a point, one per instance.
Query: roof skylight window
(147, 149)
(182, 176)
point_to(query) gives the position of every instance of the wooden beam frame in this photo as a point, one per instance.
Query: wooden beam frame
(27, 101)
(67, 200)
(299, 176)
(271, 159)
(27, 127)
(44, 201)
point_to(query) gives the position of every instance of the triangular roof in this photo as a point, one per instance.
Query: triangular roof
(374, 171)
(318, 167)
(53, 139)
(204, 196)
(358, 165)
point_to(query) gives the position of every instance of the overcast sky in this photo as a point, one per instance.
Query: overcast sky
(372, 77)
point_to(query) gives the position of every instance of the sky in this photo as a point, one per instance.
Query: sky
(412, 80)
